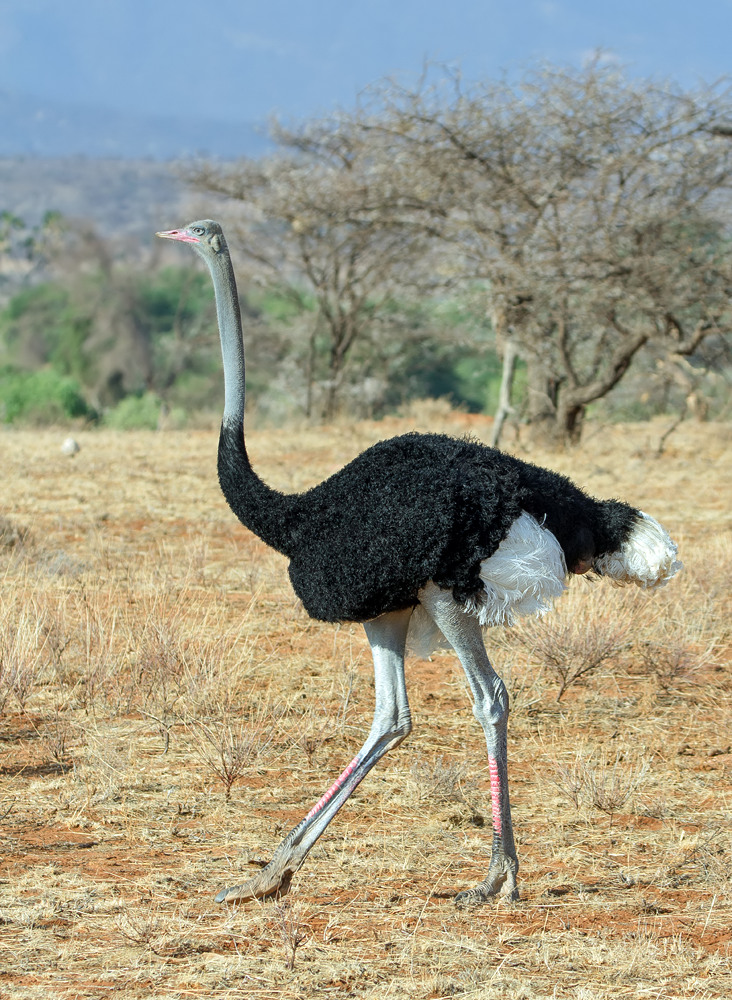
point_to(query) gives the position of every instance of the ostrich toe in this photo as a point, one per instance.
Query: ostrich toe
(272, 880)
(502, 882)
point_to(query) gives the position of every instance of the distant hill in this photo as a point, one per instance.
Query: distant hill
(37, 127)
(122, 171)
(122, 197)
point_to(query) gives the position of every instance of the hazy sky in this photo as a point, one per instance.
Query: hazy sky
(239, 60)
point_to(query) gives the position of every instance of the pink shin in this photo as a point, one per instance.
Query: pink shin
(495, 794)
(335, 787)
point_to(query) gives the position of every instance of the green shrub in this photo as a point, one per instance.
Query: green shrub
(40, 325)
(40, 397)
(135, 413)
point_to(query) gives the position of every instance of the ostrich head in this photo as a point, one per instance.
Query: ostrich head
(647, 557)
(206, 236)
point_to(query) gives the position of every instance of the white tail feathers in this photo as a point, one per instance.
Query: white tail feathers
(522, 577)
(647, 558)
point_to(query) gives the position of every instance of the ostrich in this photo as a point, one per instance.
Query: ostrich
(425, 539)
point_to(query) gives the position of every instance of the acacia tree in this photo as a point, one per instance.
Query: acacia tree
(312, 222)
(592, 207)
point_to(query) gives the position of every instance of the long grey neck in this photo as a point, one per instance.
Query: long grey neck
(271, 515)
(230, 332)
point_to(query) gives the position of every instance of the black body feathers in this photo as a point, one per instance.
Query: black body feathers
(405, 511)
(410, 509)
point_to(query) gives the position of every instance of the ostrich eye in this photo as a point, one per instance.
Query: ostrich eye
(198, 230)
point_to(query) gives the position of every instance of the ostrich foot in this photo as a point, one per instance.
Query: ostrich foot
(496, 883)
(272, 880)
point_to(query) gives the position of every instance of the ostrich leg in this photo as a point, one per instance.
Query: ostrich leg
(490, 708)
(387, 636)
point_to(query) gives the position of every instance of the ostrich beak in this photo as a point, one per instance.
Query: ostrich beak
(581, 566)
(183, 235)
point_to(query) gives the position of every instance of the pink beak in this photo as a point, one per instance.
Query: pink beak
(179, 234)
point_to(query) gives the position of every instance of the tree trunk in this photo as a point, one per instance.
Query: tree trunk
(553, 419)
(310, 371)
(510, 356)
(541, 402)
(569, 421)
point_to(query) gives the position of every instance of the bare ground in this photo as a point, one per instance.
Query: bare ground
(153, 654)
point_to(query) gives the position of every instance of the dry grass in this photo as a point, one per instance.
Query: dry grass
(153, 659)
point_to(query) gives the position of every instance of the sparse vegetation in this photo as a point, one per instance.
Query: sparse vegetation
(292, 930)
(440, 782)
(142, 617)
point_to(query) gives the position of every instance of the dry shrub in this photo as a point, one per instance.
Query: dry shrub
(151, 928)
(292, 929)
(101, 770)
(318, 725)
(229, 747)
(600, 781)
(180, 673)
(141, 926)
(86, 646)
(55, 736)
(611, 783)
(12, 536)
(160, 672)
(219, 663)
(569, 780)
(442, 782)
(63, 638)
(708, 860)
(525, 682)
(100, 656)
(572, 647)
(678, 636)
(671, 662)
